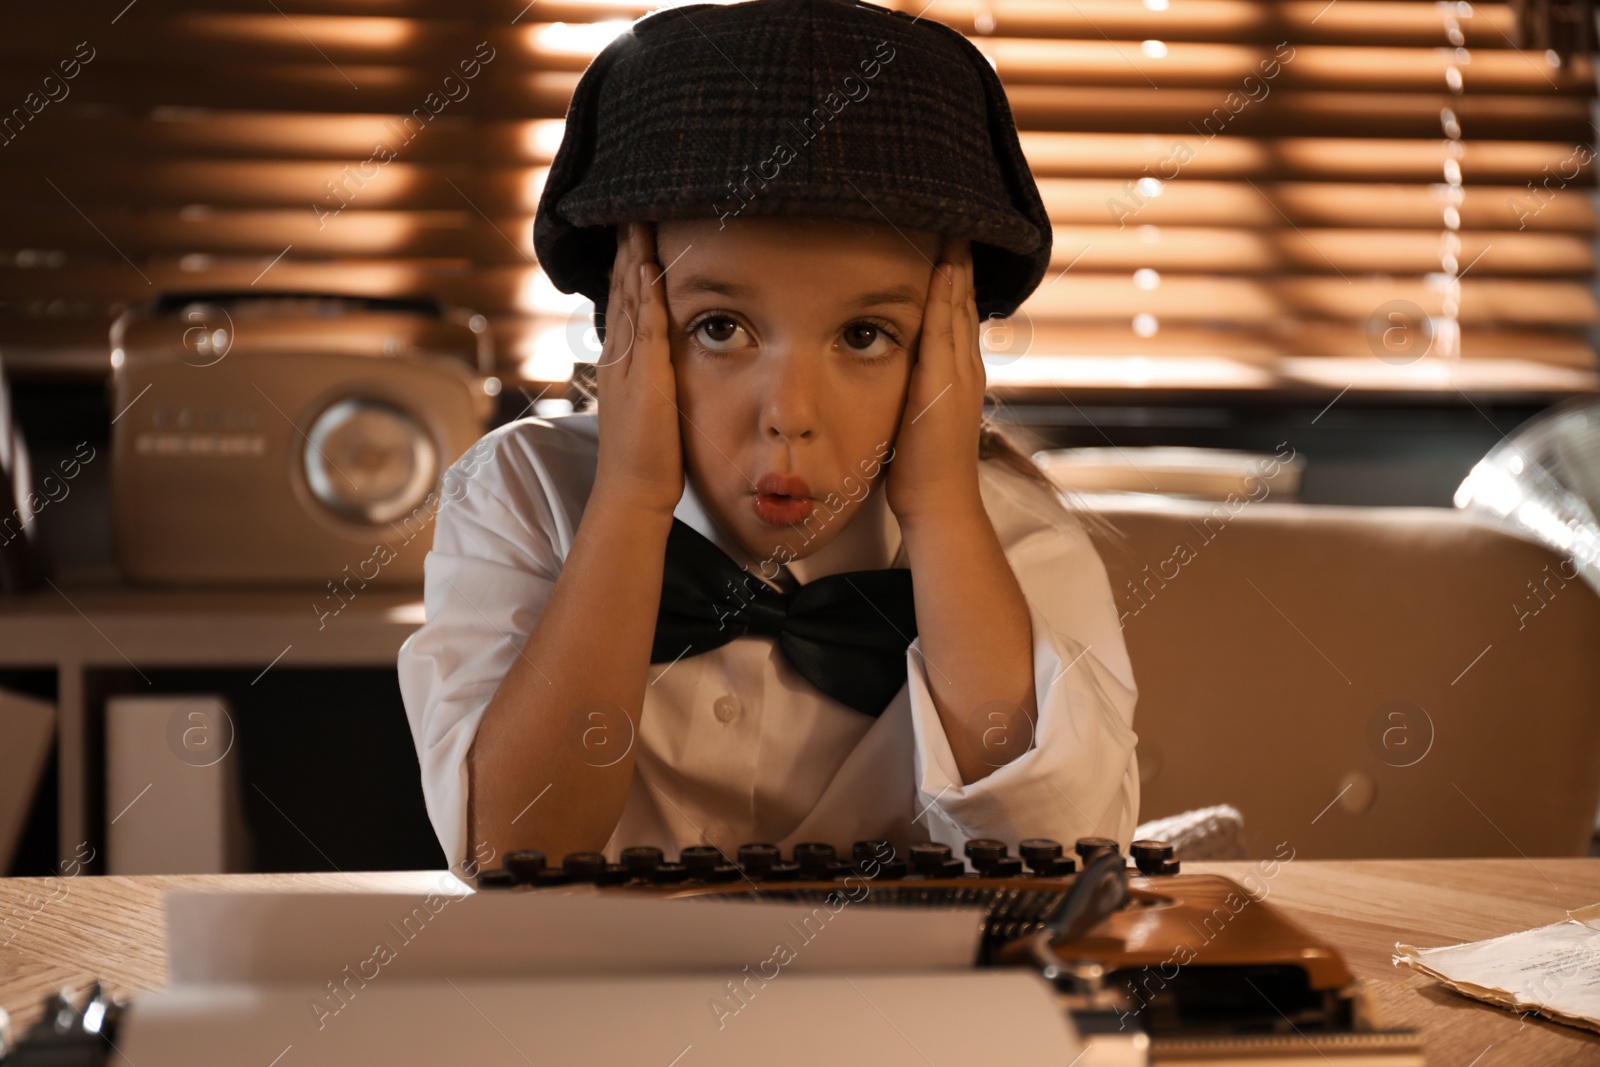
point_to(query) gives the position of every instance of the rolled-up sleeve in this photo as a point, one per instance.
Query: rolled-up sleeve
(486, 583)
(1080, 776)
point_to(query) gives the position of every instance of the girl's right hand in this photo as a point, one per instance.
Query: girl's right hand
(641, 456)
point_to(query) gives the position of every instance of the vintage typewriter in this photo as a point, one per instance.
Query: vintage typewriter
(1176, 957)
(1180, 967)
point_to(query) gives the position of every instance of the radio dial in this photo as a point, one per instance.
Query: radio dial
(370, 461)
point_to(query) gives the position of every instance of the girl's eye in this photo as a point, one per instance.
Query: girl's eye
(866, 340)
(871, 342)
(720, 330)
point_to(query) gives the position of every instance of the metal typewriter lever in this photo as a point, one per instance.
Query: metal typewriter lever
(64, 1036)
(1101, 889)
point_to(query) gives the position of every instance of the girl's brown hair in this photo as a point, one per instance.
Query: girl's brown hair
(995, 444)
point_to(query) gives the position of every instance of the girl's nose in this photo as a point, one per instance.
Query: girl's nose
(789, 409)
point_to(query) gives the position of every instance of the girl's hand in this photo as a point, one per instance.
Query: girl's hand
(641, 455)
(934, 472)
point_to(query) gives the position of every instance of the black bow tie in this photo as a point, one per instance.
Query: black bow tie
(846, 634)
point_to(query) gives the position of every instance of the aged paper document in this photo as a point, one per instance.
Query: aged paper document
(1553, 970)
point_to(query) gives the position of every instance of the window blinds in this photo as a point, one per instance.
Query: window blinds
(1247, 194)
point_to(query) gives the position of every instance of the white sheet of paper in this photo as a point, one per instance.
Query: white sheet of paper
(422, 978)
(324, 939)
(859, 1020)
(1554, 970)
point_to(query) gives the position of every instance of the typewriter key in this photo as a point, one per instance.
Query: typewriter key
(814, 858)
(758, 856)
(782, 871)
(877, 859)
(985, 852)
(642, 859)
(928, 856)
(876, 851)
(584, 866)
(893, 871)
(498, 878)
(722, 872)
(1059, 867)
(1088, 847)
(930, 859)
(668, 873)
(700, 858)
(1038, 852)
(1154, 857)
(1004, 867)
(525, 863)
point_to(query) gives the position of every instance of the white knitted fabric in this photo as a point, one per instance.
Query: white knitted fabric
(1202, 834)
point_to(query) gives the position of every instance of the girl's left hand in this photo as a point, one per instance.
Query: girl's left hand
(934, 472)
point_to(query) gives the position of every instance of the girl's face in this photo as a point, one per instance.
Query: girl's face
(792, 347)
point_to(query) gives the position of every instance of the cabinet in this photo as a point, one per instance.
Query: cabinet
(100, 636)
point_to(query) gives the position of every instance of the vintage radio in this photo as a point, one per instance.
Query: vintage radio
(281, 437)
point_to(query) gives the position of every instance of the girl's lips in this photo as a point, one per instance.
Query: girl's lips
(782, 499)
(774, 484)
(781, 510)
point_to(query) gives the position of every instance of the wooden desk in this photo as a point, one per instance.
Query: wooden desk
(112, 928)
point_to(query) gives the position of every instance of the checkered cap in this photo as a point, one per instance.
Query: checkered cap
(793, 107)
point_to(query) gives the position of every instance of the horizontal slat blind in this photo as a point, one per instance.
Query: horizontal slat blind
(1237, 186)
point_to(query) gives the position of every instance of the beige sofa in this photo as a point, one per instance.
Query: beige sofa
(1359, 681)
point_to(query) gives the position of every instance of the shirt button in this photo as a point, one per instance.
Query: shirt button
(727, 708)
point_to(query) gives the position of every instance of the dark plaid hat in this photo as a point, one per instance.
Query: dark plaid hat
(792, 107)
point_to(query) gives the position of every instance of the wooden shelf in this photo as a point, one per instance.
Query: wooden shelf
(79, 626)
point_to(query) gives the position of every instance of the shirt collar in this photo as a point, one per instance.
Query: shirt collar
(871, 541)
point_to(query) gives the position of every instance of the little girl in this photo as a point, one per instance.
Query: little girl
(786, 584)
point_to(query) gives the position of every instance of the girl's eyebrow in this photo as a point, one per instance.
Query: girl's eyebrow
(909, 295)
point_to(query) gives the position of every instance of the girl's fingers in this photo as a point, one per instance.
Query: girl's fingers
(627, 306)
(937, 323)
(959, 324)
(646, 281)
(652, 316)
(614, 300)
(621, 275)
(969, 309)
(648, 303)
(963, 318)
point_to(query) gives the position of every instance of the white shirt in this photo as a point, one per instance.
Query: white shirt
(733, 745)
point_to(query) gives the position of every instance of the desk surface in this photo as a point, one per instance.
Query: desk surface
(68, 931)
